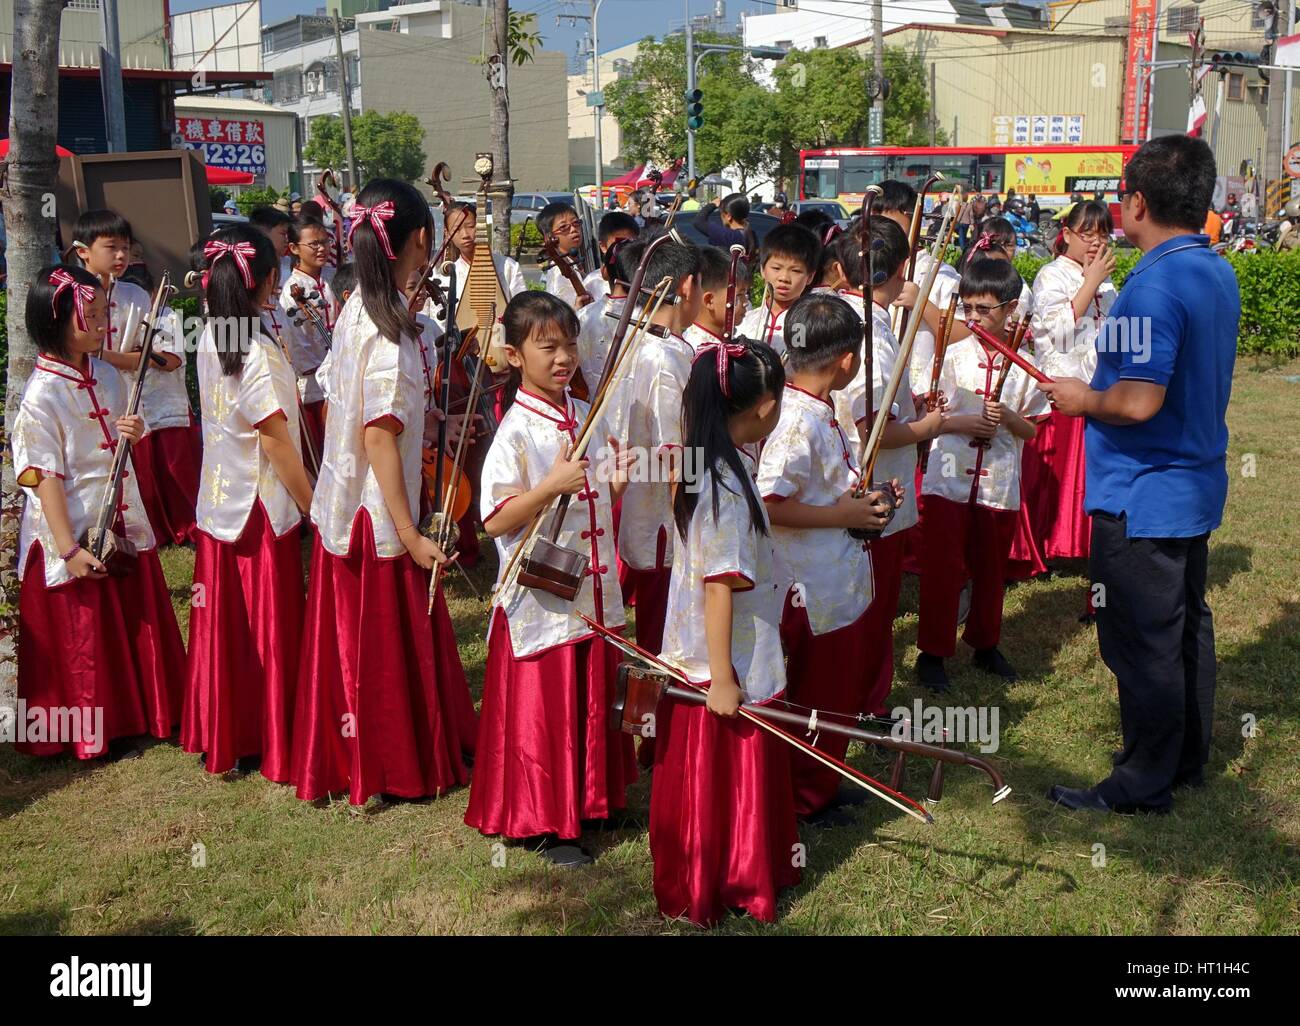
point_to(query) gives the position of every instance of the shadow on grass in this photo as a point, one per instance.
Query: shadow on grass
(1222, 834)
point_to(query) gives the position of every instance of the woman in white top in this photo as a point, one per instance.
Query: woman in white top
(1072, 297)
(383, 707)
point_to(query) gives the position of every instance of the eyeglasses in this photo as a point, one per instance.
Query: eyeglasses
(980, 310)
(322, 244)
(1088, 237)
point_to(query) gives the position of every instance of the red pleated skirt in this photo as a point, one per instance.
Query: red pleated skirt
(722, 827)
(829, 672)
(109, 644)
(167, 464)
(1053, 478)
(549, 755)
(245, 634)
(382, 704)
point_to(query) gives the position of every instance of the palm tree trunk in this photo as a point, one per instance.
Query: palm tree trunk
(497, 64)
(27, 191)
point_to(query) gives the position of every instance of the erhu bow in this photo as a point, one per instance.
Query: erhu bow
(638, 692)
(866, 257)
(548, 566)
(871, 444)
(914, 238)
(114, 550)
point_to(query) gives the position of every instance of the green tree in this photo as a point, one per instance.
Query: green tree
(821, 101)
(649, 104)
(386, 145)
(250, 198)
(524, 39)
(217, 197)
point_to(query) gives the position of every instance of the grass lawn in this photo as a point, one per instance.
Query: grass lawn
(111, 849)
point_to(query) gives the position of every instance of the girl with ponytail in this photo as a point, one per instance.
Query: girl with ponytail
(247, 613)
(722, 817)
(382, 707)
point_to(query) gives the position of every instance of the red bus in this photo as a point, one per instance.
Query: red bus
(1050, 173)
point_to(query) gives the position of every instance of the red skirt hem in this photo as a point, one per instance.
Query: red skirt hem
(722, 823)
(110, 644)
(549, 755)
(245, 634)
(382, 704)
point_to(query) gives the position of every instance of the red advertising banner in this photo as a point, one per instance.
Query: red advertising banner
(1141, 37)
(237, 145)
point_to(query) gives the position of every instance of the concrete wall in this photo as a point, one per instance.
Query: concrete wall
(141, 28)
(439, 81)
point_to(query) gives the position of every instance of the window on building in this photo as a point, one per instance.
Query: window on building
(83, 5)
(1181, 20)
(819, 42)
(785, 44)
(1236, 85)
(286, 85)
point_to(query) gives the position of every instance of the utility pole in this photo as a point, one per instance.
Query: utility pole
(595, 99)
(878, 54)
(690, 88)
(345, 96)
(934, 109)
(110, 78)
(1275, 137)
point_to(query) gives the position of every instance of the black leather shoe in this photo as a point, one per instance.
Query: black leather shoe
(990, 660)
(1077, 799)
(830, 818)
(931, 674)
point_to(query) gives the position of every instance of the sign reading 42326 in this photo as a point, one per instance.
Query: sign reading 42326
(237, 145)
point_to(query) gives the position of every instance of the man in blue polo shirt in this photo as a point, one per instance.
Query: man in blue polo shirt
(1157, 447)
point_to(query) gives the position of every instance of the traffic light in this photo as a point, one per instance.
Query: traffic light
(1233, 59)
(694, 109)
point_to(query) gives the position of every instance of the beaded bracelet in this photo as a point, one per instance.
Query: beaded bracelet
(71, 552)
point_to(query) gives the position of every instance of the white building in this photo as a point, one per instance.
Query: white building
(829, 24)
(614, 64)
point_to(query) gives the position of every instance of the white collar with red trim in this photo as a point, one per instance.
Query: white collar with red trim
(545, 408)
(63, 369)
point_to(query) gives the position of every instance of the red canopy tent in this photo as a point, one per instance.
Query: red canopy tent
(59, 151)
(224, 176)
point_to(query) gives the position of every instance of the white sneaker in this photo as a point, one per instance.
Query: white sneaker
(963, 604)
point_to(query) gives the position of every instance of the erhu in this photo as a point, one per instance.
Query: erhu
(947, 319)
(871, 444)
(547, 565)
(640, 687)
(114, 550)
(733, 272)
(1018, 332)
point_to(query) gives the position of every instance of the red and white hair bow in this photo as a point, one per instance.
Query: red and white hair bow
(215, 249)
(376, 215)
(725, 352)
(985, 241)
(81, 295)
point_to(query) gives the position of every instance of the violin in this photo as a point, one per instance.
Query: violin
(310, 313)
